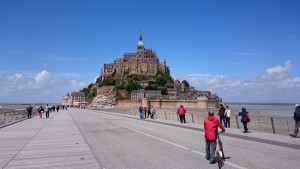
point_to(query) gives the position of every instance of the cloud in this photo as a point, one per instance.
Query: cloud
(77, 85)
(14, 77)
(41, 77)
(38, 87)
(274, 86)
(278, 72)
(280, 69)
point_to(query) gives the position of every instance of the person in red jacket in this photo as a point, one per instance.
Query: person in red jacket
(211, 125)
(181, 112)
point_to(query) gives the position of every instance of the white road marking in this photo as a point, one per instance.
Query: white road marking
(176, 145)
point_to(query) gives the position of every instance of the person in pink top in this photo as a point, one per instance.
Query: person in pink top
(181, 112)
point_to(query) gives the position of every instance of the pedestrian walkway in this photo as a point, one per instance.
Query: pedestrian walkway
(58, 143)
(55, 142)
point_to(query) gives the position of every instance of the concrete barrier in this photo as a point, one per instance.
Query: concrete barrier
(13, 116)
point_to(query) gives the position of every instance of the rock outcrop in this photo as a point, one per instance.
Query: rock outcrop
(106, 96)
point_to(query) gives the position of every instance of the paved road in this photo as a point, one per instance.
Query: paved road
(79, 138)
(126, 142)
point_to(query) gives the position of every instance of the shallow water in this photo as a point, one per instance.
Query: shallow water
(267, 110)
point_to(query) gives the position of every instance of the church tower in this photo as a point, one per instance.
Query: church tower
(140, 47)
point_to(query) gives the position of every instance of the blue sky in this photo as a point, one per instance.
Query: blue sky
(242, 50)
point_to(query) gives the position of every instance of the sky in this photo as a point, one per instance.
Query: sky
(241, 50)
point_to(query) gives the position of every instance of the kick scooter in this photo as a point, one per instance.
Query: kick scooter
(220, 153)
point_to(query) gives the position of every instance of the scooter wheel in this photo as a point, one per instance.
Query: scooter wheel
(220, 163)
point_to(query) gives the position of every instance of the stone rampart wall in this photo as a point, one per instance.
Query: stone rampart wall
(171, 104)
(128, 104)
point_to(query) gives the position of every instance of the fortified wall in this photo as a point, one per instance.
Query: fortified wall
(200, 103)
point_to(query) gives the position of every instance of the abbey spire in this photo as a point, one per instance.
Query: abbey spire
(140, 46)
(140, 43)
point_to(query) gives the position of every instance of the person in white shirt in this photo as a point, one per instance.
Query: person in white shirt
(227, 116)
(152, 111)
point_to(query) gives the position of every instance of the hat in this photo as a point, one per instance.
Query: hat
(296, 105)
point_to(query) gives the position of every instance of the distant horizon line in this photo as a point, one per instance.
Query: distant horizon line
(235, 103)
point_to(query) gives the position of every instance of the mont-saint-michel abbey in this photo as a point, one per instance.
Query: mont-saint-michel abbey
(144, 61)
(140, 78)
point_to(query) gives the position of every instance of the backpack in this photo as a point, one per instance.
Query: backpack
(297, 114)
(245, 117)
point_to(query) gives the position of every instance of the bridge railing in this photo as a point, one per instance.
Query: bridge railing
(11, 116)
(275, 125)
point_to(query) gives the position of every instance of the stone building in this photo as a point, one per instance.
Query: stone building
(138, 95)
(144, 61)
(75, 99)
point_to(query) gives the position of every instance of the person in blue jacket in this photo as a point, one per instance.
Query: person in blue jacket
(141, 111)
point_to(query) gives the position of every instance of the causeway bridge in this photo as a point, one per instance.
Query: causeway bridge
(98, 139)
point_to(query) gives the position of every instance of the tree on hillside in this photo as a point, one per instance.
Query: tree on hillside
(109, 81)
(152, 87)
(186, 84)
(136, 77)
(160, 80)
(90, 85)
(163, 90)
(91, 95)
(131, 84)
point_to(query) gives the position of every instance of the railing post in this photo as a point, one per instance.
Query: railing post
(237, 122)
(259, 125)
(192, 118)
(273, 127)
(166, 115)
(177, 116)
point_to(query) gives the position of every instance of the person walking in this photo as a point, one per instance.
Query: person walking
(29, 111)
(297, 120)
(41, 111)
(221, 114)
(181, 112)
(49, 108)
(152, 111)
(149, 112)
(145, 112)
(211, 125)
(227, 116)
(141, 111)
(245, 118)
